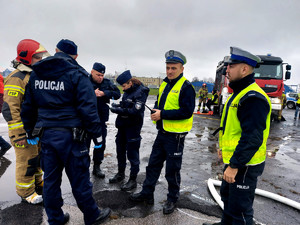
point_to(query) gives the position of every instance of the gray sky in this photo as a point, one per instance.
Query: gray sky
(135, 34)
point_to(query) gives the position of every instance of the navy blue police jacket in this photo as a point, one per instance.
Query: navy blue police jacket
(132, 106)
(252, 113)
(60, 94)
(186, 102)
(111, 91)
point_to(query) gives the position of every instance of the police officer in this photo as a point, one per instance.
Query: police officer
(129, 123)
(245, 127)
(104, 90)
(60, 107)
(203, 93)
(174, 118)
(29, 176)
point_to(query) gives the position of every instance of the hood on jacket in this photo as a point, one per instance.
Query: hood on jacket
(55, 66)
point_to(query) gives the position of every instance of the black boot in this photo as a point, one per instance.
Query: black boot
(104, 214)
(117, 178)
(139, 197)
(169, 207)
(131, 184)
(97, 171)
(66, 218)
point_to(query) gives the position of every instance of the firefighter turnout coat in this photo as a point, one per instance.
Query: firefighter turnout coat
(28, 171)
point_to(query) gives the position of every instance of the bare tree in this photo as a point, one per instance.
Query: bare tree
(195, 79)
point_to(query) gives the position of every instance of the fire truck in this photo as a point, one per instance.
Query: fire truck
(269, 76)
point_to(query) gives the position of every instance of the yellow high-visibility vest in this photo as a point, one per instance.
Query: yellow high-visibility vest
(172, 103)
(232, 134)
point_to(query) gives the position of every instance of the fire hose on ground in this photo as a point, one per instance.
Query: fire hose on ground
(211, 183)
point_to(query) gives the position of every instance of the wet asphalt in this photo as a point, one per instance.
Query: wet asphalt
(200, 162)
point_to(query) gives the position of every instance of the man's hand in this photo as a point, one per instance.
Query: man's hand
(219, 153)
(156, 116)
(21, 142)
(229, 174)
(99, 93)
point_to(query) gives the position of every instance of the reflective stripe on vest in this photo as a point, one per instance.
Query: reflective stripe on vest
(216, 101)
(172, 103)
(233, 131)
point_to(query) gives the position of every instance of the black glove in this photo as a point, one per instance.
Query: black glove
(114, 105)
(116, 110)
(98, 142)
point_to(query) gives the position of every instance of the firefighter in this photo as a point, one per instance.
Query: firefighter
(104, 91)
(61, 98)
(245, 128)
(203, 93)
(28, 172)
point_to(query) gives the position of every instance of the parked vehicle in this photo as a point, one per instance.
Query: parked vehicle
(291, 100)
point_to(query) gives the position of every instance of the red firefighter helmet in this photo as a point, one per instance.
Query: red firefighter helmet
(26, 49)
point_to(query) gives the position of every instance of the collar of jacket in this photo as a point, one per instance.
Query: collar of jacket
(241, 84)
(172, 82)
(64, 55)
(24, 68)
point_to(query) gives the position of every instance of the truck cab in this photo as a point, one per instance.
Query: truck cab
(270, 76)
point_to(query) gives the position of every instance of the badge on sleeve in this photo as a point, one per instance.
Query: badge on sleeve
(138, 105)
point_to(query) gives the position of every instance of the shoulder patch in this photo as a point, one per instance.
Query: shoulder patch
(188, 82)
(20, 75)
(252, 94)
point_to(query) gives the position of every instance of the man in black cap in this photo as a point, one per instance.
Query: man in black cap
(129, 123)
(174, 118)
(104, 90)
(245, 127)
(60, 107)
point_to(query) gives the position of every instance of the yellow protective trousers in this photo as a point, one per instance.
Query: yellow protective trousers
(28, 171)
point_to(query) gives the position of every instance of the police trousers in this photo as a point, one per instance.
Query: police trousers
(98, 153)
(238, 197)
(167, 147)
(128, 141)
(59, 152)
(28, 171)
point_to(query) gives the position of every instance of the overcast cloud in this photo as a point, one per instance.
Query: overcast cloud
(135, 34)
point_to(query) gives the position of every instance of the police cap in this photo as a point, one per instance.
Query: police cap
(239, 55)
(124, 77)
(67, 46)
(175, 57)
(99, 67)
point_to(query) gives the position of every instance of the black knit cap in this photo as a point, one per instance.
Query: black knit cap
(67, 46)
